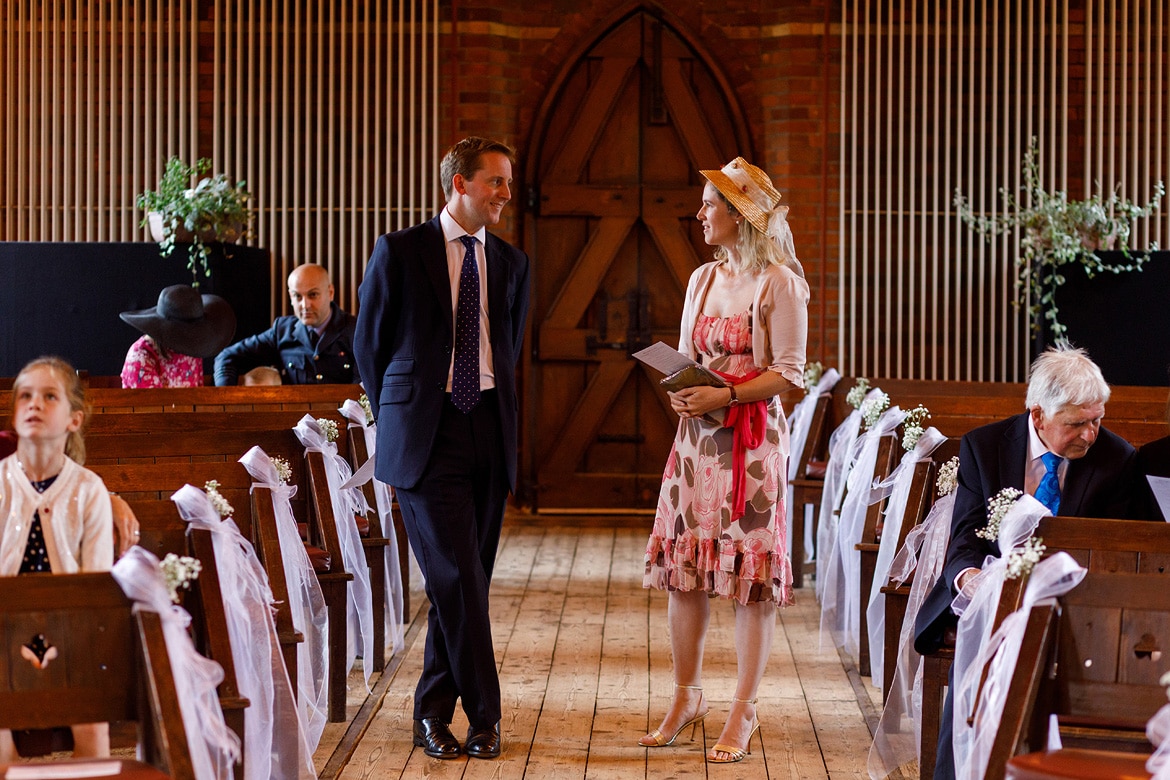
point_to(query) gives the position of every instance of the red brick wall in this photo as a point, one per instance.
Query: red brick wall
(781, 58)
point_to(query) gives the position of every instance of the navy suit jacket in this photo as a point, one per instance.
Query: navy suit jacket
(286, 347)
(1100, 484)
(404, 338)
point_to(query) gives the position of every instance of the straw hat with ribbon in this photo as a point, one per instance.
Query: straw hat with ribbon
(750, 191)
(186, 322)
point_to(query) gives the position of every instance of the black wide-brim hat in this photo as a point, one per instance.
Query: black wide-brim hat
(186, 322)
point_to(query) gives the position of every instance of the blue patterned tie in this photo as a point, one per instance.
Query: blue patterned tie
(465, 374)
(1048, 491)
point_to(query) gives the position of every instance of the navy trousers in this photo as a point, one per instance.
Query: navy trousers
(453, 518)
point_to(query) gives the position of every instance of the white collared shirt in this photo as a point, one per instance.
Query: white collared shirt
(1034, 468)
(452, 232)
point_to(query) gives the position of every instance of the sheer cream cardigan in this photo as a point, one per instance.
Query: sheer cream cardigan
(75, 515)
(779, 319)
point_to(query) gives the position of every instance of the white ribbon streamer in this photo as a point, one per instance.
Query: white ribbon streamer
(384, 499)
(214, 747)
(976, 606)
(841, 610)
(305, 600)
(798, 426)
(1050, 578)
(841, 444)
(274, 742)
(898, 484)
(898, 738)
(347, 503)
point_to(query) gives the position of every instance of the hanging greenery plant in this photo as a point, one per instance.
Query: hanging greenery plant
(208, 210)
(1056, 232)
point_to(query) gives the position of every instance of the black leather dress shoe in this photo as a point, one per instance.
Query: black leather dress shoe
(435, 738)
(483, 742)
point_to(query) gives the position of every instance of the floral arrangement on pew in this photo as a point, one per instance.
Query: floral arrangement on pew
(364, 401)
(211, 488)
(856, 394)
(948, 477)
(1020, 560)
(912, 429)
(179, 571)
(812, 374)
(872, 410)
(283, 469)
(328, 428)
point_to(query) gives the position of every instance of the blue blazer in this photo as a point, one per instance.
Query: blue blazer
(286, 347)
(991, 457)
(404, 338)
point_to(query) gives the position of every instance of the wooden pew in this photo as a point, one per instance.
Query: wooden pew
(1103, 546)
(268, 551)
(358, 455)
(888, 453)
(923, 493)
(111, 665)
(146, 456)
(809, 484)
(1094, 661)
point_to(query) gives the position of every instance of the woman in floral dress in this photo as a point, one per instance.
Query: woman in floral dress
(721, 525)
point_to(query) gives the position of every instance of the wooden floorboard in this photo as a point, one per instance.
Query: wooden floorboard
(584, 659)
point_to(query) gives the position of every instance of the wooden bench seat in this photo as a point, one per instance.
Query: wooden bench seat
(146, 456)
(111, 665)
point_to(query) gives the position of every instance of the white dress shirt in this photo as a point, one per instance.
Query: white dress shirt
(452, 232)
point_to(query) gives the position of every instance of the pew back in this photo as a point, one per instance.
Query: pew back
(109, 663)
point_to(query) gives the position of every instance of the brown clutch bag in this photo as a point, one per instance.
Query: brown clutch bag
(690, 377)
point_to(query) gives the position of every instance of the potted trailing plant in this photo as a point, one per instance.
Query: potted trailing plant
(1056, 231)
(183, 210)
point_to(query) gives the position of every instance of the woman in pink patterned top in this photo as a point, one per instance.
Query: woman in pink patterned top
(180, 331)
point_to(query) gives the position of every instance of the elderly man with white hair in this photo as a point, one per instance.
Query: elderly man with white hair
(1058, 452)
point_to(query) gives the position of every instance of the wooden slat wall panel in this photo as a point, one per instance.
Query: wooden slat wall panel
(325, 108)
(939, 96)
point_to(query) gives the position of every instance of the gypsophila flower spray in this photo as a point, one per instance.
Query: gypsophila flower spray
(872, 409)
(218, 501)
(283, 470)
(364, 402)
(1021, 560)
(857, 393)
(812, 374)
(328, 428)
(912, 429)
(178, 573)
(948, 477)
(997, 508)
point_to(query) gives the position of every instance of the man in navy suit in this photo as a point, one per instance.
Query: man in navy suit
(315, 346)
(1094, 474)
(443, 306)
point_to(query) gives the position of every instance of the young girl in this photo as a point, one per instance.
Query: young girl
(55, 516)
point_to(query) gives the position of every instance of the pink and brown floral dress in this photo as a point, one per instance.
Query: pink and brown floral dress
(697, 543)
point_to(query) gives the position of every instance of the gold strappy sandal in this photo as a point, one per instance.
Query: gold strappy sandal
(657, 739)
(735, 753)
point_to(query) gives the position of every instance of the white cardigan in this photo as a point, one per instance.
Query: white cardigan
(75, 514)
(779, 319)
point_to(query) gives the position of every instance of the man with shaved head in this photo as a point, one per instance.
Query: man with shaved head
(313, 347)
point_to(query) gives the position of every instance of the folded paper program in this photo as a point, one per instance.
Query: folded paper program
(680, 370)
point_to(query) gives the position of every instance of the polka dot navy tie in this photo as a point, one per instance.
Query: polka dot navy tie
(1048, 491)
(465, 375)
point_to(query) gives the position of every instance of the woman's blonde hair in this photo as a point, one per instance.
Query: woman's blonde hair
(756, 250)
(74, 391)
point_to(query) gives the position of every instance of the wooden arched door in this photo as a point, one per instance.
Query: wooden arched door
(615, 187)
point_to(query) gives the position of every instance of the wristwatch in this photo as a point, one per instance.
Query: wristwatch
(734, 400)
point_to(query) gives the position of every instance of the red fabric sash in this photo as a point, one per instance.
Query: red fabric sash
(748, 422)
